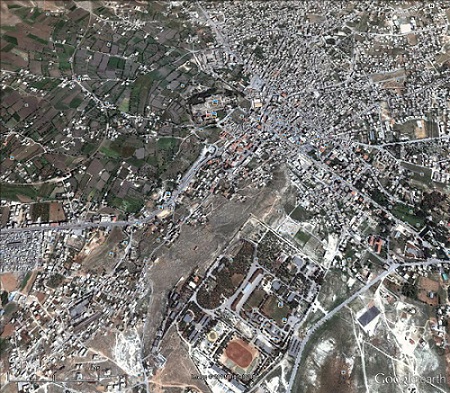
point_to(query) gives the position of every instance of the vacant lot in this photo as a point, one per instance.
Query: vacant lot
(179, 368)
(8, 281)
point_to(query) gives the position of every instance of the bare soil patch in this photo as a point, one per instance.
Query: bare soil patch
(8, 281)
(97, 253)
(8, 18)
(8, 330)
(56, 213)
(179, 368)
(335, 377)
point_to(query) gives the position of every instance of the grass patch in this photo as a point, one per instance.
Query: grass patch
(136, 162)
(64, 54)
(275, 310)
(128, 204)
(88, 148)
(45, 84)
(302, 237)
(116, 62)
(419, 173)
(4, 345)
(25, 280)
(10, 308)
(132, 205)
(8, 47)
(139, 92)
(300, 214)
(124, 105)
(36, 13)
(167, 143)
(46, 190)
(12, 192)
(75, 103)
(255, 299)
(108, 152)
(406, 213)
(64, 66)
(118, 148)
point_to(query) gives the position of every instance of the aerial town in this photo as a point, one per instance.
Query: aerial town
(225, 197)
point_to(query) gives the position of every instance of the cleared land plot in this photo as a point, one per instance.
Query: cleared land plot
(8, 281)
(211, 239)
(179, 367)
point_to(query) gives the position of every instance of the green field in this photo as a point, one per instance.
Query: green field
(302, 237)
(116, 62)
(45, 84)
(25, 280)
(8, 47)
(420, 174)
(11, 308)
(88, 148)
(255, 299)
(139, 92)
(167, 143)
(64, 55)
(300, 214)
(109, 152)
(127, 204)
(124, 105)
(46, 190)
(406, 213)
(274, 310)
(11, 192)
(10, 39)
(38, 39)
(75, 103)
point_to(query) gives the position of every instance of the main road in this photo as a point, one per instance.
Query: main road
(207, 153)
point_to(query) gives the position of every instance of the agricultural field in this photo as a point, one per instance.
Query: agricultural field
(100, 94)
